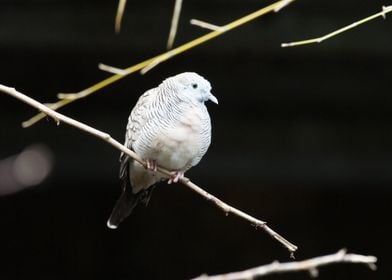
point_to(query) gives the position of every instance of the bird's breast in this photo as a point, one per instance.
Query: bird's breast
(177, 146)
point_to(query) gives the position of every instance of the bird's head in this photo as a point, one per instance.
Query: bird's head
(195, 87)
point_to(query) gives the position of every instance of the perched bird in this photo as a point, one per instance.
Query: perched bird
(170, 127)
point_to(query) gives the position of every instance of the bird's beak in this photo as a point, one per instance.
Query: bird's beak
(212, 98)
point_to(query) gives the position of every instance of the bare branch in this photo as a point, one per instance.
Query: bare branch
(150, 63)
(157, 61)
(119, 15)
(174, 23)
(109, 69)
(210, 26)
(204, 24)
(310, 265)
(282, 5)
(383, 13)
(107, 138)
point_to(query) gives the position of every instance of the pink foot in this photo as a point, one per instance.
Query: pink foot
(151, 164)
(175, 176)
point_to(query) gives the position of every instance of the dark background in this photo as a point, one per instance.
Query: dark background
(301, 138)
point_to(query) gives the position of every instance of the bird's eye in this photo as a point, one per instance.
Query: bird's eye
(194, 86)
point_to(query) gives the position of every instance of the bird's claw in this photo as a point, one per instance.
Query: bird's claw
(151, 164)
(175, 176)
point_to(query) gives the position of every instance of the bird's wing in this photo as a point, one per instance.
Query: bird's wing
(128, 200)
(137, 119)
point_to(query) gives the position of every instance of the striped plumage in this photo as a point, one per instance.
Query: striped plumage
(170, 127)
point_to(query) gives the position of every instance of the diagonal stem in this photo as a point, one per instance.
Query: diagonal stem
(107, 138)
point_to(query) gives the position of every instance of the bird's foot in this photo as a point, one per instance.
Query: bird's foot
(175, 176)
(151, 164)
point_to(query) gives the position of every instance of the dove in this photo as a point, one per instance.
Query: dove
(169, 127)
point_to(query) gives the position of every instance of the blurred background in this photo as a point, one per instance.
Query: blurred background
(301, 138)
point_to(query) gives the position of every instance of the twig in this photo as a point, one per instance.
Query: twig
(282, 5)
(383, 13)
(119, 15)
(107, 138)
(106, 68)
(204, 24)
(211, 26)
(159, 58)
(174, 24)
(310, 265)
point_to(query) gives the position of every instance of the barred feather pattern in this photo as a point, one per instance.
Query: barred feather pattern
(169, 124)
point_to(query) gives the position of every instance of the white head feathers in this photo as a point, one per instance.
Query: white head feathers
(192, 85)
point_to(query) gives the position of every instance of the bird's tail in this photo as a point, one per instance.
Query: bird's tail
(123, 208)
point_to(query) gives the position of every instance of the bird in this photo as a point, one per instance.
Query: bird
(168, 127)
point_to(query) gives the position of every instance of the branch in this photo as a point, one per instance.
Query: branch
(119, 15)
(148, 64)
(282, 5)
(174, 24)
(310, 265)
(103, 67)
(383, 13)
(204, 24)
(107, 138)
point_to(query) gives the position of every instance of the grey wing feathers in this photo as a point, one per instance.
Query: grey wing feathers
(136, 121)
(139, 116)
(128, 200)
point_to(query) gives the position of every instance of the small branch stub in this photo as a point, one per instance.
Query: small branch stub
(205, 25)
(111, 69)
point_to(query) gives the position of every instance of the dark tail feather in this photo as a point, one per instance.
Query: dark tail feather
(123, 208)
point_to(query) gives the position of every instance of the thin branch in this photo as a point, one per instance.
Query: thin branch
(385, 10)
(156, 61)
(149, 63)
(204, 24)
(119, 15)
(107, 138)
(106, 68)
(282, 5)
(310, 265)
(210, 26)
(174, 24)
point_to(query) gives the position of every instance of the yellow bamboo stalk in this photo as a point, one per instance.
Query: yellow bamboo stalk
(174, 24)
(66, 99)
(119, 15)
(385, 10)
